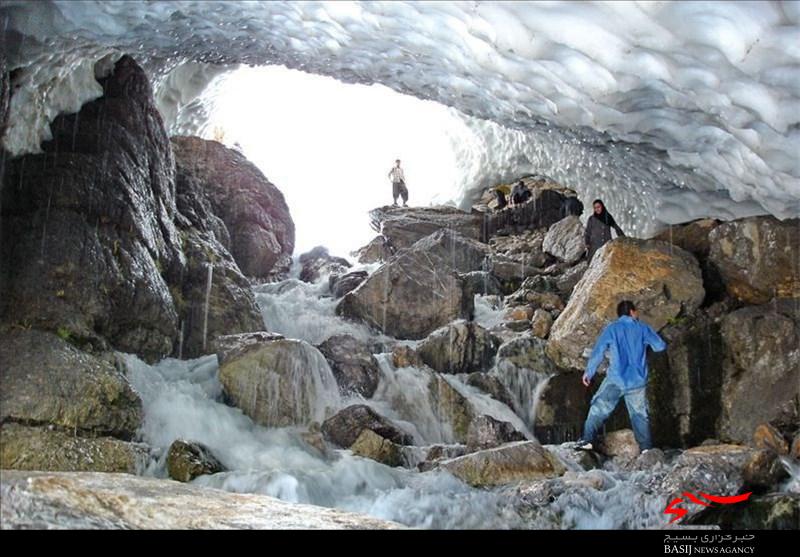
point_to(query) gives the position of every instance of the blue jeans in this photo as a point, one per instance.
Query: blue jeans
(603, 404)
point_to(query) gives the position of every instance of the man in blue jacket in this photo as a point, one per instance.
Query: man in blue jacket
(627, 340)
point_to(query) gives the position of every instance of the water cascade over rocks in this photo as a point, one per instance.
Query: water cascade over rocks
(439, 389)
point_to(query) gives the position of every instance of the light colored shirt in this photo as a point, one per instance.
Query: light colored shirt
(396, 174)
(627, 340)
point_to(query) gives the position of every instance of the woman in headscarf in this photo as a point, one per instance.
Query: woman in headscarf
(598, 229)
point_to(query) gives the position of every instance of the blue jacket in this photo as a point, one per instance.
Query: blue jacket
(627, 339)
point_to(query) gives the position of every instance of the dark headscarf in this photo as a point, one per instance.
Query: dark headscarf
(604, 217)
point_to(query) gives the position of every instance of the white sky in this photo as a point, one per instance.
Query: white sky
(328, 146)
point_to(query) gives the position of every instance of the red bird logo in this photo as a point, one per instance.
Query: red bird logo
(680, 512)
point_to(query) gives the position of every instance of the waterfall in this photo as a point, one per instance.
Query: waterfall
(205, 311)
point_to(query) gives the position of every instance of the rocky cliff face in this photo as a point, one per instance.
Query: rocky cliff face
(252, 208)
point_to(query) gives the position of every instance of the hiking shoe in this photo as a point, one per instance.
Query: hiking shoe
(582, 445)
(404, 205)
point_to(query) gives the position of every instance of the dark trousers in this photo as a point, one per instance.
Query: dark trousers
(399, 188)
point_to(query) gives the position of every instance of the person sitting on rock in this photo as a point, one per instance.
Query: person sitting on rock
(627, 340)
(520, 194)
(598, 229)
(398, 183)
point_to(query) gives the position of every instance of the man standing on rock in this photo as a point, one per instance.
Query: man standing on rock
(398, 183)
(627, 338)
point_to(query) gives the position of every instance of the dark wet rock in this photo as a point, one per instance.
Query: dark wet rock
(527, 352)
(403, 227)
(276, 383)
(377, 251)
(352, 363)
(542, 210)
(492, 386)
(684, 388)
(561, 409)
(231, 305)
(88, 233)
(775, 511)
(565, 240)
(481, 282)
(5, 96)
(371, 445)
(318, 262)
(253, 209)
(662, 280)
(694, 237)
(514, 462)
(418, 290)
(344, 427)
(763, 471)
(341, 285)
(565, 281)
(486, 432)
(761, 368)
(758, 258)
(47, 381)
(187, 460)
(460, 347)
(40, 448)
(451, 407)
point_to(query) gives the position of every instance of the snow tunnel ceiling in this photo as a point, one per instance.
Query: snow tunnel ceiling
(667, 110)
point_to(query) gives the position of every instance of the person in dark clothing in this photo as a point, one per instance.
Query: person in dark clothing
(520, 194)
(626, 341)
(571, 206)
(598, 229)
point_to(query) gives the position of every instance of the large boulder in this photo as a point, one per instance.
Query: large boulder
(491, 385)
(278, 382)
(418, 290)
(352, 363)
(187, 460)
(88, 240)
(565, 240)
(542, 210)
(225, 306)
(50, 500)
(460, 347)
(345, 427)
(319, 262)
(758, 258)
(664, 281)
(486, 432)
(39, 448)
(514, 462)
(340, 285)
(403, 227)
(371, 445)
(47, 381)
(376, 251)
(694, 237)
(761, 368)
(253, 209)
(451, 408)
